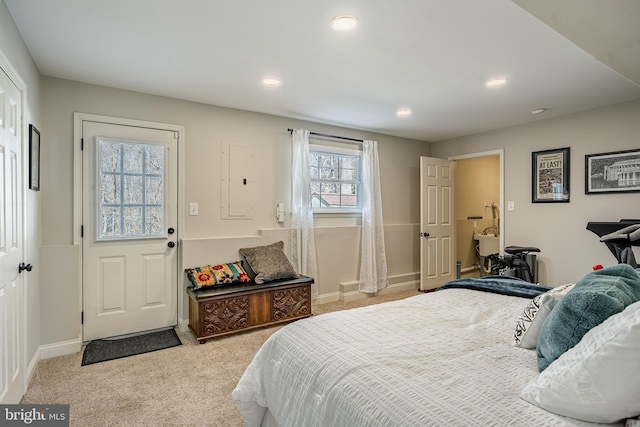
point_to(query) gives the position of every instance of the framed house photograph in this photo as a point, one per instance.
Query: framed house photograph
(550, 176)
(615, 172)
(34, 158)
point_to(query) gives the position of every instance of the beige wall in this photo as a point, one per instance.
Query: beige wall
(568, 250)
(206, 127)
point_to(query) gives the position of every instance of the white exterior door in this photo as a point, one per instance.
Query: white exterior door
(12, 349)
(130, 184)
(437, 226)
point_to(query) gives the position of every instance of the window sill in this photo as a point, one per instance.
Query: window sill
(338, 213)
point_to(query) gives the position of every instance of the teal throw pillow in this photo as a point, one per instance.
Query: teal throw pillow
(596, 297)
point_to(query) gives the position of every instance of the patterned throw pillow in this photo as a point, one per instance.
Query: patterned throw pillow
(269, 262)
(200, 277)
(530, 321)
(217, 275)
(230, 273)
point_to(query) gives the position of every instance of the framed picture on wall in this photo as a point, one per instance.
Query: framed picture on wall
(34, 158)
(550, 176)
(615, 172)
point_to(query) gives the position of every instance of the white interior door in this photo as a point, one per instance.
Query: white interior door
(12, 376)
(130, 239)
(437, 226)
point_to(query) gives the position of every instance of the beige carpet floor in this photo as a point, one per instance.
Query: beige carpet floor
(188, 385)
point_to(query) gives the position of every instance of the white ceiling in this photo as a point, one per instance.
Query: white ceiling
(432, 56)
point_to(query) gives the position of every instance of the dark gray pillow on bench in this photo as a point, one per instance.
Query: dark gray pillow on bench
(269, 262)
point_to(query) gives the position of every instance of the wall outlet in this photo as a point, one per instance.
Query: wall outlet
(280, 212)
(193, 209)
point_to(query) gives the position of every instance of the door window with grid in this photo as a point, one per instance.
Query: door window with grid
(130, 189)
(335, 179)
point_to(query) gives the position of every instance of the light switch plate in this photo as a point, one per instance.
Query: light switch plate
(511, 205)
(193, 209)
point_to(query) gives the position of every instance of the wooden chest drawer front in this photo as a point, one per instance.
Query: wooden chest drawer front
(231, 314)
(290, 303)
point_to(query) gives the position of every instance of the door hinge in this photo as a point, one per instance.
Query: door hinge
(81, 144)
(82, 317)
(82, 231)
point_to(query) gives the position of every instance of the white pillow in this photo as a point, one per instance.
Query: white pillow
(598, 380)
(530, 321)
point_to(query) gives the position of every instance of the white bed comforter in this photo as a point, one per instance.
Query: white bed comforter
(439, 359)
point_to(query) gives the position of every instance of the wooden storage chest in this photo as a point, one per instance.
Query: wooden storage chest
(225, 310)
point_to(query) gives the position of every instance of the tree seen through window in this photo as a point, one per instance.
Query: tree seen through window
(130, 189)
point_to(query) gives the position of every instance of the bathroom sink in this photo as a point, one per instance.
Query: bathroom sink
(489, 244)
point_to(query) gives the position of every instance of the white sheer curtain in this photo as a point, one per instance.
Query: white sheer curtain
(373, 260)
(303, 242)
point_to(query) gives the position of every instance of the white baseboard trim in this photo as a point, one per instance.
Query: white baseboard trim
(183, 325)
(327, 298)
(391, 289)
(349, 291)
(63, 348)
(33, 364)
(400, 287)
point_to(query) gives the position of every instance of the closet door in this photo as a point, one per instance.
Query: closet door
(12, 339)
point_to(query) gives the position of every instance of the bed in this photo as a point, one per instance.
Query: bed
(444, 358)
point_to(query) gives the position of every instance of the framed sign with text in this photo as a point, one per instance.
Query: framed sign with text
(550, 176)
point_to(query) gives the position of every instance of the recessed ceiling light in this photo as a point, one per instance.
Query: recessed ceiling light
(404, 112)
(344, 23)
(497, 82)
(538, 111)
(271, 81)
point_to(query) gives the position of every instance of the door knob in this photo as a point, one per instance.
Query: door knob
(424, 234)
(171, 231)
(171, 244)
(22, 266)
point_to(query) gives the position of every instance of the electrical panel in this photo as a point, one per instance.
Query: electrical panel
(236, 181)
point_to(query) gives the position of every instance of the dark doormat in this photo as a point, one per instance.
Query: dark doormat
(109, 349)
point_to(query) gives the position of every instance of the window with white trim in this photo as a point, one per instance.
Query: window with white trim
(335, 179)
